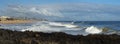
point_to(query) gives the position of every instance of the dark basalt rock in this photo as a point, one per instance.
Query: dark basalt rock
(28, 37)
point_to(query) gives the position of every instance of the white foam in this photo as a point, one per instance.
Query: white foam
(42, 28)
(93, 30)
(61, 24)
(46, 26)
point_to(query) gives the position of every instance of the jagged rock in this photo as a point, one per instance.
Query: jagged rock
(29, 37)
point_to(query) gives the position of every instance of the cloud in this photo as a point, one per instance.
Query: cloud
(78, 12)
(46, 11)
(35, 10)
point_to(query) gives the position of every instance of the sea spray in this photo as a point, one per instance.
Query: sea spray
(50, 26)
(66, 27)
(62, 24)
(45, 26)
(93, 30)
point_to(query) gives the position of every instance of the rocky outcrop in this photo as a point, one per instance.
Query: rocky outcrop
(28, 37)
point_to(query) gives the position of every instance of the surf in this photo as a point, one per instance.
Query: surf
(63, 24)
(50, 26)
(66, 27)
(93, 30)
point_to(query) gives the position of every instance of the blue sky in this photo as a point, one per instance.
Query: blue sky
(23, 2)
(84, 10)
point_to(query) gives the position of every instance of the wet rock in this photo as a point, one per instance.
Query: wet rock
(29, 37)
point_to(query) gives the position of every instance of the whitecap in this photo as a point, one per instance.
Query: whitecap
(93, 30)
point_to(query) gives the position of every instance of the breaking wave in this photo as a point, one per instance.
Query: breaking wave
(46, 26)
(93, 30)
(69, 28)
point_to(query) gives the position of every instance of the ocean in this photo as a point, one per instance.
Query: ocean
(69, 27)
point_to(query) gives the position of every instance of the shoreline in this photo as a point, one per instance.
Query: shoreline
(17, 21)
(29, 37)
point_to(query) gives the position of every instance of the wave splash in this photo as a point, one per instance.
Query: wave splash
(46, 26)
(69, 28)
(93, 30)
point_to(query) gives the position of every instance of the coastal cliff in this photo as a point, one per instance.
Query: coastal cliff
(28, 37)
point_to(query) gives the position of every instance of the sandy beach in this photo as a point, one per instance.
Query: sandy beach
(17, 21)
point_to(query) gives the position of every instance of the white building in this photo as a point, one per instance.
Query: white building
(3, 18)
